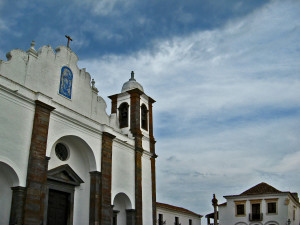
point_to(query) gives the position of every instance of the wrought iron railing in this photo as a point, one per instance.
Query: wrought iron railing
(255, 216)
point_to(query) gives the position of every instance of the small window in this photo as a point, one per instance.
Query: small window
(61, 152)
(294, 213)
(240, 209)
(271, 207)
(144, 117)
(123, 115)
(190, 222)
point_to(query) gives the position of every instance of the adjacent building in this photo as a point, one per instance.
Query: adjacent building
(173, 215)
(63, 159)
(260, 205)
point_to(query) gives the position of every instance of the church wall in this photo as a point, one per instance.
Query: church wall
(16, 119)
(123, 172)
(78, 123)
(147, 189)
(60, 127)
(44, 67)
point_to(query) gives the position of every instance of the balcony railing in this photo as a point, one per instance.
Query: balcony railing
(255, 216)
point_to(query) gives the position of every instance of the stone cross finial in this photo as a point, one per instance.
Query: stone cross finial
(32, 50)
(93, 85)
(32, 45)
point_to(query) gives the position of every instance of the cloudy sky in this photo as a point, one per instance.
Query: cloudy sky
(225, 75)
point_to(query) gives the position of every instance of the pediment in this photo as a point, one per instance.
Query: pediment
(64, 174)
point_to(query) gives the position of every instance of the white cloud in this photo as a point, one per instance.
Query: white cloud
(236, 89)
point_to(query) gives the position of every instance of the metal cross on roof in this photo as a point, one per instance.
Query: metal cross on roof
(69, 39)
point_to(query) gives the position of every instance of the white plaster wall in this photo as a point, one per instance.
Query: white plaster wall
(169, 217)
(16, 119)
(79, 162)
(147, 189)
(123, 172)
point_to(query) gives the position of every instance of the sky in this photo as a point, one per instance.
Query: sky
(225, 76)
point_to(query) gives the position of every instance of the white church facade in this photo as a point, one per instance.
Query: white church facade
(63, 159)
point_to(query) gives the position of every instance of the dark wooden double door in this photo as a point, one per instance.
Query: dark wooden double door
(58, 207)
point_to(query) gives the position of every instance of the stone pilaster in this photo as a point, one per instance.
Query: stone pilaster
(17, 204)
(153, 166)
(95, 198)
(37, 166)
(106, 170)
(135, 121)
(114, 102)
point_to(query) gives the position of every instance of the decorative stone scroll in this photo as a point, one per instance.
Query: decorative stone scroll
(66, 81)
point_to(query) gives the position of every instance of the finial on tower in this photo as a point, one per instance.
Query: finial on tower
(132, 75)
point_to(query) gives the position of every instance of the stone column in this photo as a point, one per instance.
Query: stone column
(115, 217)
(215, 205)
(17, 204)
(37, 166)
(135, 121)
(130, 217)
(95, 198)
(106, 170)
(154, 156)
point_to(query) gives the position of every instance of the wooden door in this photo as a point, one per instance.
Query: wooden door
(58, 208)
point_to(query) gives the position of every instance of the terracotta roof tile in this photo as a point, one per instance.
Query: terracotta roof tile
(175, 208)
(262, 188)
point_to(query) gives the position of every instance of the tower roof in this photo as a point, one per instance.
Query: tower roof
(132, 84)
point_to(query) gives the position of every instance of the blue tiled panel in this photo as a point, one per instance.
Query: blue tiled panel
(66, 80)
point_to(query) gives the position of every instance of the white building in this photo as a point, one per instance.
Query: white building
(260, 205)
(63, 159)
(173, 215)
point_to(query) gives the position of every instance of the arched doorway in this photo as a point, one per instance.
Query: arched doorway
(8, 179)
(70, 164)
(123, 214)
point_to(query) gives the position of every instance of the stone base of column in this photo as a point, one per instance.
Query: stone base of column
(130, 217)
(16, 212)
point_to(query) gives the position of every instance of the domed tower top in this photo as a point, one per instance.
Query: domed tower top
(132, 84)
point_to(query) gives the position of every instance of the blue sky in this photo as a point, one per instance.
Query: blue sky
(225, 75)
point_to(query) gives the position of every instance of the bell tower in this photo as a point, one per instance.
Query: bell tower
(135, 118)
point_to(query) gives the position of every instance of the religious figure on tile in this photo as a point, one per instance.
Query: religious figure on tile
(66, 80)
